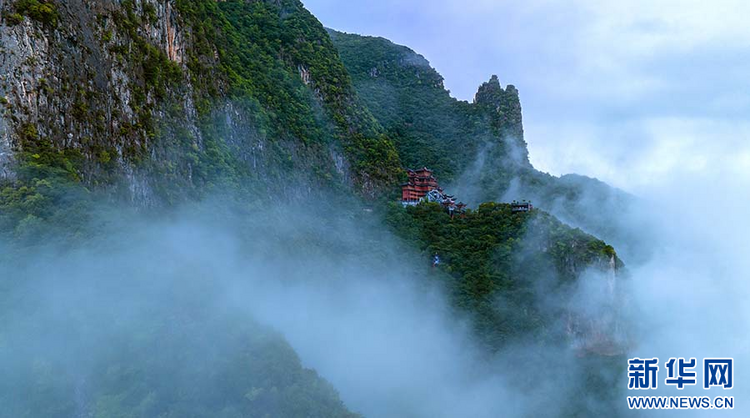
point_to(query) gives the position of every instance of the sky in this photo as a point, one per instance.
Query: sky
(628, 92)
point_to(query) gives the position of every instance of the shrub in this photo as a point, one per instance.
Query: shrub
(13, 19)
(44, 11)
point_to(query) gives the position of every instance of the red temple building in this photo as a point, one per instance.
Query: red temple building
(422, 186)
(421, 182)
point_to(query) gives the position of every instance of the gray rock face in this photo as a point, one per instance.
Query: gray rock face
(6, 152)
(75, 84)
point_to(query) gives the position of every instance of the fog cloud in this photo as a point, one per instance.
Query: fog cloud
(175, 294)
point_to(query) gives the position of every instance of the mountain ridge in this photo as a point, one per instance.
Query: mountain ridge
(478, 148)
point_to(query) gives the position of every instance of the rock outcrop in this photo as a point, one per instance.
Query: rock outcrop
(136, 94)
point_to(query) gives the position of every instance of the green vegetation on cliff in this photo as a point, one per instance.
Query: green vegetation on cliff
(498, 260)
(278, 55)
(44, 11)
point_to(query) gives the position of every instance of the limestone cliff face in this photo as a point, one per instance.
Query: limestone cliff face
(595, 322)
(73, 81)
(581, 285)
(137, 90)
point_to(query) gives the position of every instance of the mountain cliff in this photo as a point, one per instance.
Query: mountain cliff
(139, 94)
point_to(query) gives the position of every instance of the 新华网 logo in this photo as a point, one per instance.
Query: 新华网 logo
(643, 374)
(717, 372)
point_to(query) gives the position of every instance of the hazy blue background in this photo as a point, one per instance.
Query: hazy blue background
(633, 93)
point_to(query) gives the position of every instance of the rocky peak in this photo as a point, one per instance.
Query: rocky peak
(492, 94)
(503, 107)
(489, 92)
